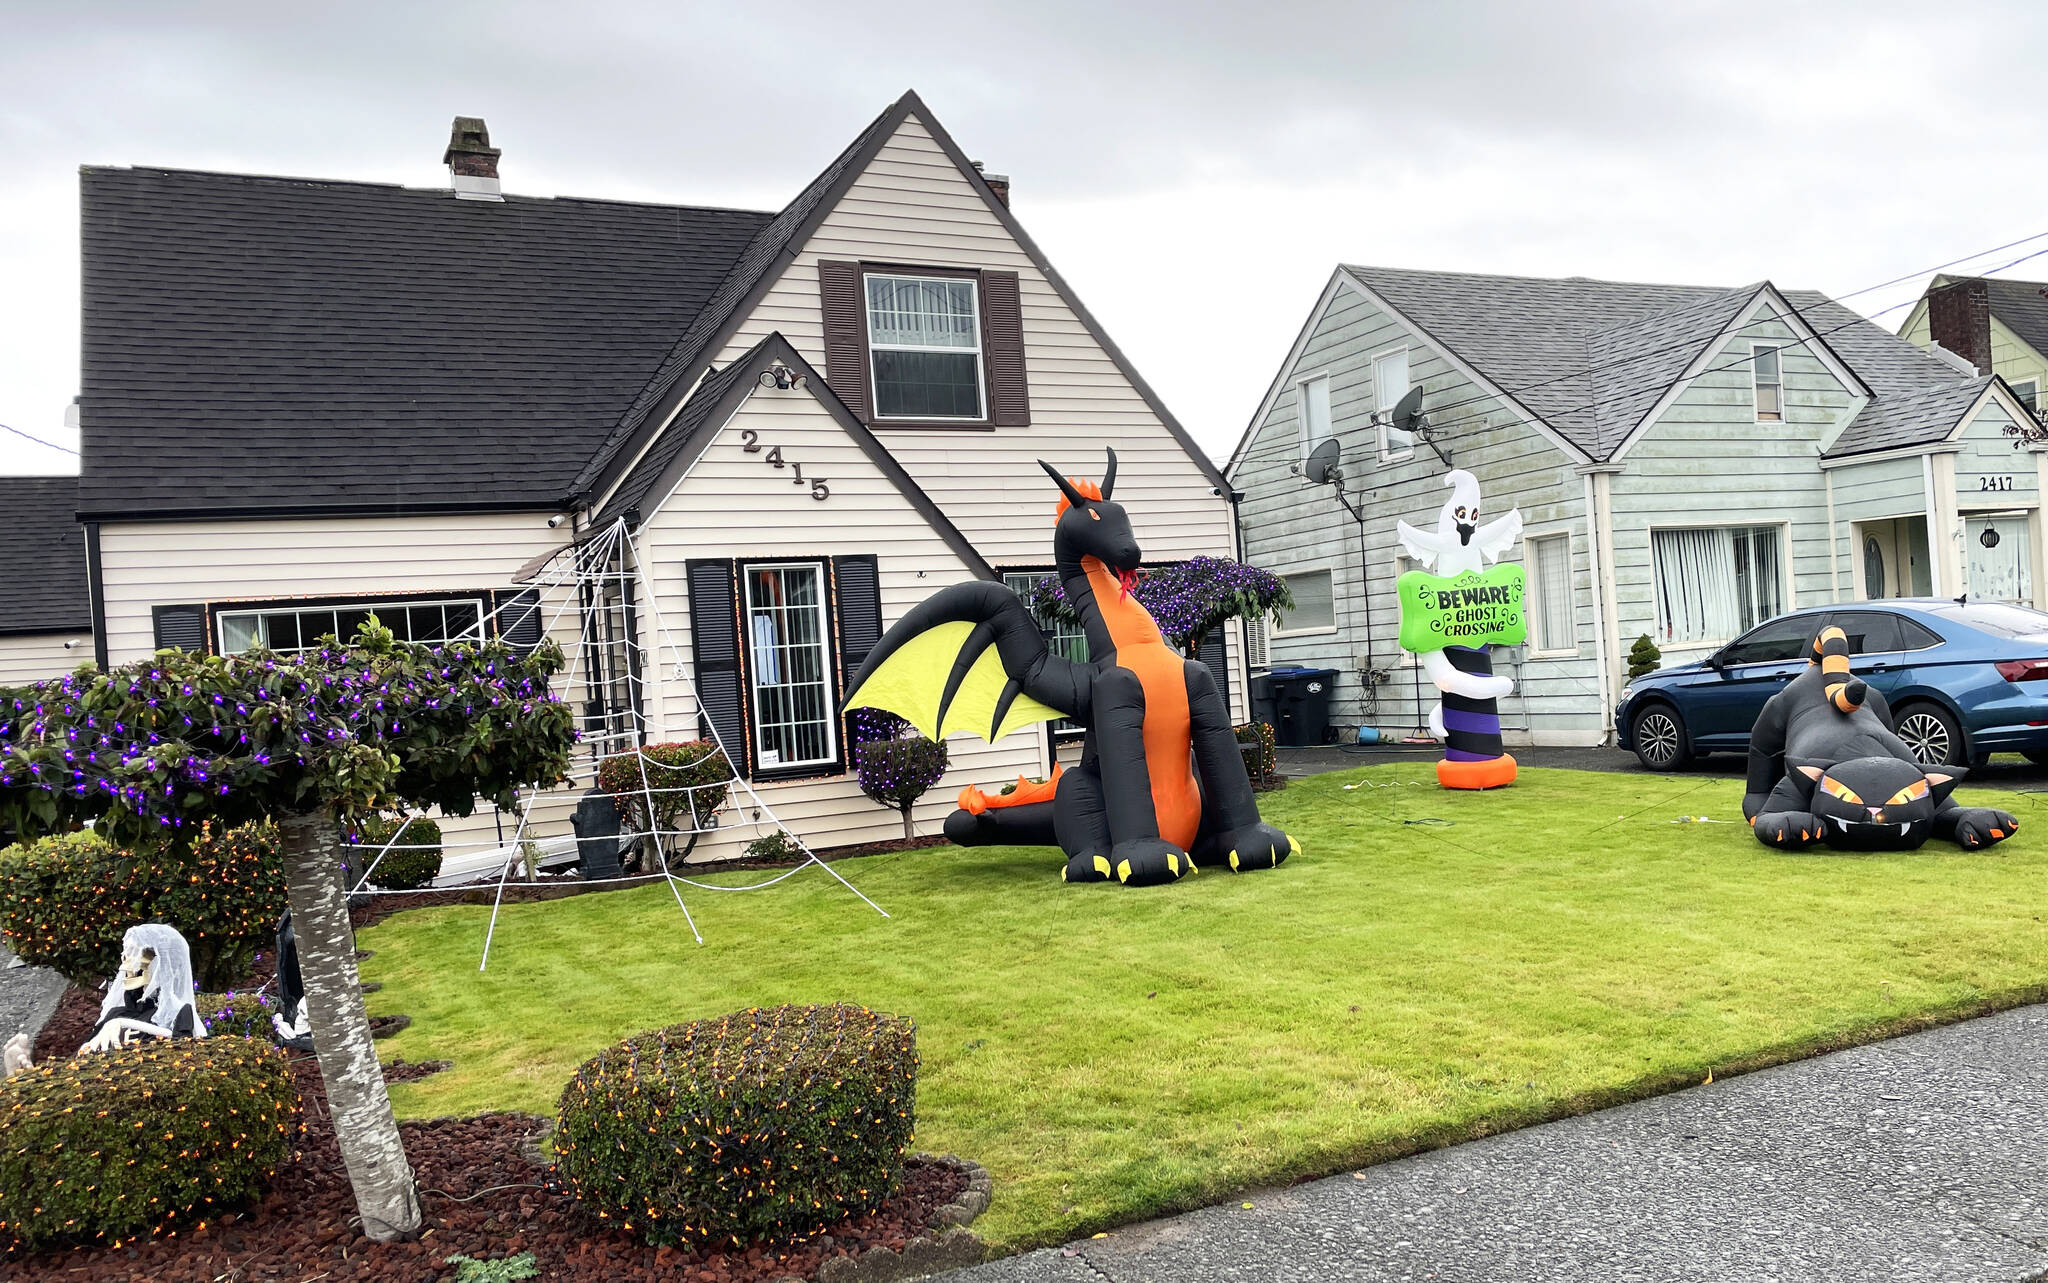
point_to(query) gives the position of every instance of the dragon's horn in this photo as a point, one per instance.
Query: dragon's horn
(1074, 496)
(1109, 473)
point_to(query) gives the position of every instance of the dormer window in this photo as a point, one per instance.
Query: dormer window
(924, 347)
(1765, 372)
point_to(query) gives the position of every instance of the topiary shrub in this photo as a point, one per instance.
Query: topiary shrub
(897, 772)
(66, 899)
(147, 1139)
(236, 1015)
(677, 777)
(759, 1125)
(1267, 761)
(413, 861)
(775, 845)
(1643, 657)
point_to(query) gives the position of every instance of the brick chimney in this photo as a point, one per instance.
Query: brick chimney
(997, 183)
(472, 161)
(1959, 318)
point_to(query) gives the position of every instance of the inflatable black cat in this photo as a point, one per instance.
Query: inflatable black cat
(1824, 766)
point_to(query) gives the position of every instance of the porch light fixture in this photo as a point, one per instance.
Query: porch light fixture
(781, 376)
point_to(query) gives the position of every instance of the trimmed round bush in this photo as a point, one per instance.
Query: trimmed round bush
(760, 1125)
(240, 1015)
(66, 899)
(414, 859)
(680, 778)
(150, 1138)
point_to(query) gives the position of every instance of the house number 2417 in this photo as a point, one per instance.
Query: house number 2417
(1994, 483)
(819, 490)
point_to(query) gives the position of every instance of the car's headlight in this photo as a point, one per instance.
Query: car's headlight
(1627, 693)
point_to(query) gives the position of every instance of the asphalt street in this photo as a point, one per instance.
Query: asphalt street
(1920, 1159)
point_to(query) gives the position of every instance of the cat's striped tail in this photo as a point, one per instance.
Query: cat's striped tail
(1831, 652)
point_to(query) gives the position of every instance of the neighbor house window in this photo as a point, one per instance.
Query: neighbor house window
(1389, 385)
(1550, 594)
(924, 347)
(291, 629)
(1315, 605)
(1063, 638)
(2028, 393)
(790, 665)
(1716, 582)
(1765, 371)
(1315, 413)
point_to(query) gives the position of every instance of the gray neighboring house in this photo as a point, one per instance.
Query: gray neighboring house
(1689, 461)
(45, 601)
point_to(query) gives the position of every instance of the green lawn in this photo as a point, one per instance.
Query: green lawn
(1112, 1054)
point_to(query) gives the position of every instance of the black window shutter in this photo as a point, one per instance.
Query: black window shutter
(1216, 654)
(518, 617)
(715, 643)
(179, 627)
(1009, 391)
(859, 584)
(844, 307)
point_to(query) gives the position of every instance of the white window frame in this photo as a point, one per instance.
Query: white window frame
(1063, 729)
(1778, 346)
(221, 616)
(1389, 453)
(1301, 401)
(819, 568)
(1562, 536)
(2033, 387)
(1280, 631)
(1788, 601)
(980, 348)
(1258, 646)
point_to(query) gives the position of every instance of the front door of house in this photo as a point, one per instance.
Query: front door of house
(1996, 558)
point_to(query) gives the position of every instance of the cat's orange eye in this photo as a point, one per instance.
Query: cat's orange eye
(1912, 792)
(1838, 789)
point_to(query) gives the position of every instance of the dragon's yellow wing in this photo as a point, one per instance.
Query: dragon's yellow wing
(911, 682)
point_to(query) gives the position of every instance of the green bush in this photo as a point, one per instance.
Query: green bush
(413, 861)
(1643, 657)
(238, 1015)
(65, 900)
(775, 845)
(155, 1137)
(759, 1125)
(1260, 733)
(680, 778)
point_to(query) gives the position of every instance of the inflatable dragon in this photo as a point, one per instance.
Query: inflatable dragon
(1161, 785)
(1825, 766)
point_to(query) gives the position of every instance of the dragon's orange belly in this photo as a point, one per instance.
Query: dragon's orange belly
(1176, 797)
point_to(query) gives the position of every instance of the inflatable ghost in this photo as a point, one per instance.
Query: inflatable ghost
(1448, 620)
(1824, 766)
(151, 996)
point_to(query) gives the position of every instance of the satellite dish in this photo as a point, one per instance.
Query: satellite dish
(1407, 410)
(1321, 465)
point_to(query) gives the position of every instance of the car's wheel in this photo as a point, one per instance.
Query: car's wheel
(1933, 734)
(1658, 734)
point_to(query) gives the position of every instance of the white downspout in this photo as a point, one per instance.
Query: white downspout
(1595, 559)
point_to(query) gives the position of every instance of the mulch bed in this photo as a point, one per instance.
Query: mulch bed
(402, 1070)
(482, 1198)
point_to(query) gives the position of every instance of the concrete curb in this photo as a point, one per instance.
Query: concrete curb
(949, 1246)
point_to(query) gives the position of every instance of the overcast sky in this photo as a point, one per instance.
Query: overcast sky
(1194, 170)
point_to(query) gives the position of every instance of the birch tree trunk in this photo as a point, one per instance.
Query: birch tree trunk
(356, 1096)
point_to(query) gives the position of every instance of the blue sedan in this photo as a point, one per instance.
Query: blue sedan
(1964, 681)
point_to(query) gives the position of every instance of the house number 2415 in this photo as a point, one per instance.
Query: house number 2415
(819, 490)
(1994, 483)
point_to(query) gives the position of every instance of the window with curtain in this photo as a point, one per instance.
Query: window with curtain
(1715, 582)
(1550, 594)
(1766, 372)
(1315, 604)
(289, 629)
(1315, 413)
(1389, 385)
(924, 347)
(1256, 657)
(1063, 639)
(790, 665)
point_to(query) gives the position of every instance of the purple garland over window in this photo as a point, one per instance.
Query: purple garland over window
(1189, 599)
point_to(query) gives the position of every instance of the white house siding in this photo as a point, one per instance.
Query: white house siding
(147, 564)
(865, 514)
(1706, 461)
(38, 657)
(1290, 525)
(912, 206)
(1990, 471)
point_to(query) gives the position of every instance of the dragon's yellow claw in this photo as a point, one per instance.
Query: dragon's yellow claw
(1123, 871)
(1063, 873)
(1233, 859)
(1293, 844)
(1172, 864)
(1102, 865)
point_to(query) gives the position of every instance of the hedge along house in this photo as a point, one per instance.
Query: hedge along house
(1688, 461)
(306, 401)
(45, 599)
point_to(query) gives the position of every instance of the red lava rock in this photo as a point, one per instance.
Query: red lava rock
(303, 1226)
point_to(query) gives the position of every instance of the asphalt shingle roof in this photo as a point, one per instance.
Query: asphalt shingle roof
(43, 586)
(685, 430)
(262, 343)
(1590, 358)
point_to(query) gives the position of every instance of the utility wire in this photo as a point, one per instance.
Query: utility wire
(38, 440)
(1281, 449)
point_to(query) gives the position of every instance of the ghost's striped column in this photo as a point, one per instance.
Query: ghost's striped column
(1474, 757)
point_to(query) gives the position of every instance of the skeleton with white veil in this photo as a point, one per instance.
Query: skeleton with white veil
(152, 995)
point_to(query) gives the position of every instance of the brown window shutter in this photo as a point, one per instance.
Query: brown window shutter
(846, 335)
(1009, 392)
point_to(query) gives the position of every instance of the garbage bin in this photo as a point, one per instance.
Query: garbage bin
(1301, 698)
(1263, 707)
